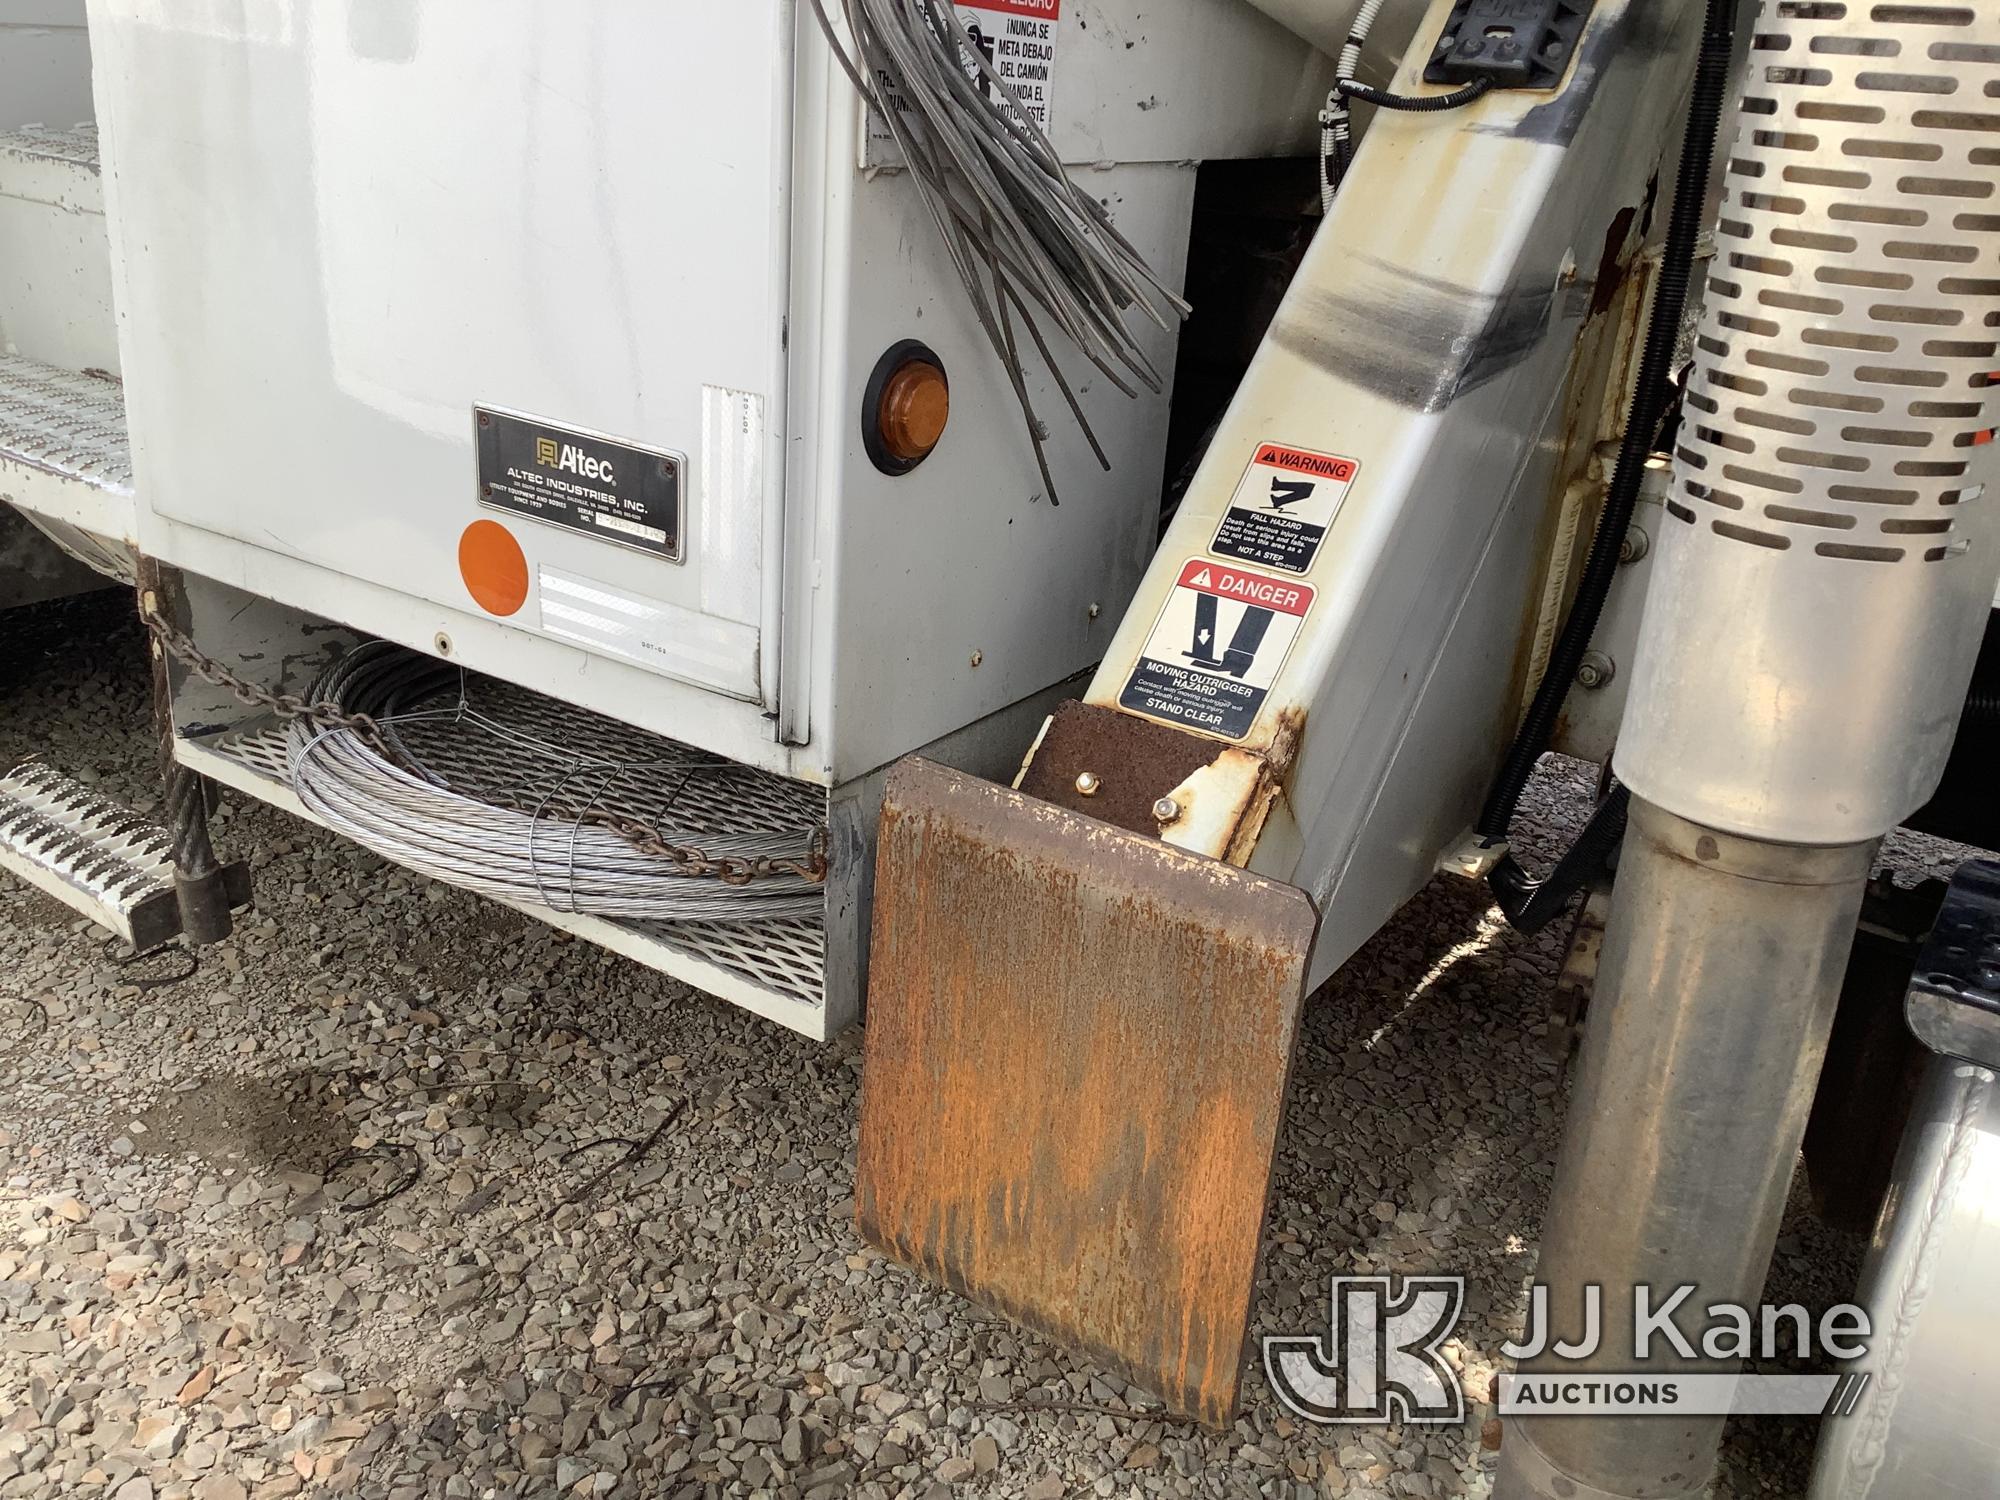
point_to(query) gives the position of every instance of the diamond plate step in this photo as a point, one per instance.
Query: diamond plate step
(67, 425)
(63, 449)
(57, 167)
(95, 855)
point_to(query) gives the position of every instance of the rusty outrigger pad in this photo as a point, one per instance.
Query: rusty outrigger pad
(1078, 1043)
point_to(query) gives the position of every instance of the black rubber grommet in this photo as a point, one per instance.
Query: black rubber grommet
(897, 355)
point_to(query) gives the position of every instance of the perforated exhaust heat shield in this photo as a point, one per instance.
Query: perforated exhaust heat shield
(1078, 1045)
(1826, 572)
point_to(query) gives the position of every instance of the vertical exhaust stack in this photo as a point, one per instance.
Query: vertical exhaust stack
(1818, 610)
(1804, 660)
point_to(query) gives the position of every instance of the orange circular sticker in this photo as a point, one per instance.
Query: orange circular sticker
(494, 568)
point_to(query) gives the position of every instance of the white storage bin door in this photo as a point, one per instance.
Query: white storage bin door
(342, 226)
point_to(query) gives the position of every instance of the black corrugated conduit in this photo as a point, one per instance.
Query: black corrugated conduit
(1422, 104)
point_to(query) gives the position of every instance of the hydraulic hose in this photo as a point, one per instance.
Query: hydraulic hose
(1531, 905)
(1650, 400)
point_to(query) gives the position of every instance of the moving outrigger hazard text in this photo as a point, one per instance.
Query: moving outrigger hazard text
(1217, 649)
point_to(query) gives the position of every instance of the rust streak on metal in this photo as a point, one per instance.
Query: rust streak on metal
(1287, 729)
(1136, 761)
(1225, 792)
(1078, 1045)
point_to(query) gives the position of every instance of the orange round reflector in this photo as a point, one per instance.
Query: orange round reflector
(494, 568)
(915, 405)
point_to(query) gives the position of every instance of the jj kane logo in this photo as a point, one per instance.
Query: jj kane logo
(1381, 1359)
(1382, 1362)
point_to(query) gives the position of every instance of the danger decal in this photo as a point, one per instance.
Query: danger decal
(1284, 507)
(1217, 649)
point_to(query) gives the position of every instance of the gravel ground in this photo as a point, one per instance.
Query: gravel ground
(348, 1210)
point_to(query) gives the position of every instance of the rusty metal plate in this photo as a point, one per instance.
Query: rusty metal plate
(1078, 1043)
(1136, 763)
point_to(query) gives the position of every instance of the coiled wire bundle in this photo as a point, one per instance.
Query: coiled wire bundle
(483, 801)
(1020, 234)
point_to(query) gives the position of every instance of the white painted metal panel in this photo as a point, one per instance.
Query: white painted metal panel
(342, 225)
(338, 226)
(959, 587)
(1457, 368)
(1179, 80)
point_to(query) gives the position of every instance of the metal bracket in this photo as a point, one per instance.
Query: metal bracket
(1472, 857)
(1513, 44)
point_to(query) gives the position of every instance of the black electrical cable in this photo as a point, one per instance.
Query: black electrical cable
(1531, 905)
(1349, 88)
(1650, 400)
(1520, 895)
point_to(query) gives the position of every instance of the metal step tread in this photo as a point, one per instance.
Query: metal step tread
(59, 168)
(65, 424)
(74, 147)
(89, 852)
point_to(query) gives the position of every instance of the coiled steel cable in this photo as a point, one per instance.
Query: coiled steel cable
(542, 842)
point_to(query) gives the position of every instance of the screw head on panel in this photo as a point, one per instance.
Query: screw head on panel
(1596, 671)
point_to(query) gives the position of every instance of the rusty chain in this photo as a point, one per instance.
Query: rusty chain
(327, 716)
(730, 869)
(687, 859)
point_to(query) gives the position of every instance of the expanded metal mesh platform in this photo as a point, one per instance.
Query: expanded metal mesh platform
(504, 743)
(63, 426)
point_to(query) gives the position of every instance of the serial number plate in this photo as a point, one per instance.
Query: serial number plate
(617, 492)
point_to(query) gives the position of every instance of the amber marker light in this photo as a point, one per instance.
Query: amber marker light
(906, 407)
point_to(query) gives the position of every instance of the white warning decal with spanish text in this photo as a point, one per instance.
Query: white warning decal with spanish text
(1018, 40)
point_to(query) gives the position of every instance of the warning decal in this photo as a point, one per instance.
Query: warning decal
(1284, 507)
(1217, 649)
(1018, 40)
